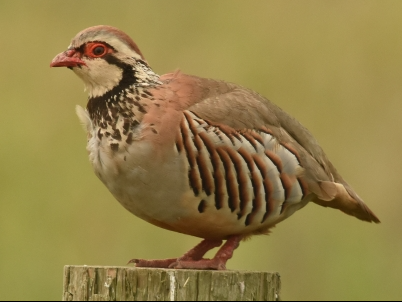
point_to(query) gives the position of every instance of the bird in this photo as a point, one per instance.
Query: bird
(193, 155)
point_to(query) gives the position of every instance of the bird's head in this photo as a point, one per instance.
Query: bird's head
(105, 58)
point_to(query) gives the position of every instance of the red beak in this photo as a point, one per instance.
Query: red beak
(68, 58)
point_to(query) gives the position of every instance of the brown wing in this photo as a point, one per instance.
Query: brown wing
(229, 105)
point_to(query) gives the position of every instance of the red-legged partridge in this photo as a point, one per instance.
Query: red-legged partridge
(197, 156)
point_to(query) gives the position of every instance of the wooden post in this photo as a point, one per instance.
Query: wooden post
(100, 283)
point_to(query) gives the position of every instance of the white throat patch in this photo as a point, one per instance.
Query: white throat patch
(99, 76)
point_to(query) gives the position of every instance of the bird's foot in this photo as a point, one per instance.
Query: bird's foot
(192, 255)
(202, 264)
(216, 263)
(193, 258)
(160, 263)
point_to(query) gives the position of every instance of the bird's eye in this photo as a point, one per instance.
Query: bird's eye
(98, 50)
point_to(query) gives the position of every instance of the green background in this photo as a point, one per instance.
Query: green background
(335, 65)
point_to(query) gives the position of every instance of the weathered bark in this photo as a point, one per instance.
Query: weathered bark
(96, 283)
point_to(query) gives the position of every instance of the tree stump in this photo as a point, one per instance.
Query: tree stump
(100, 283)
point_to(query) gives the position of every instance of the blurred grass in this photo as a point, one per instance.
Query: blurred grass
(335, 65)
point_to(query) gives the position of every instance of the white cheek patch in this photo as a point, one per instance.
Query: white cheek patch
(99, 76)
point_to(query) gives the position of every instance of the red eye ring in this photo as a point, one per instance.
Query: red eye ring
(96, 50)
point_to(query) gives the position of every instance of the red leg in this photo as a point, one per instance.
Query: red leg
(217, 263)
(200, 250)
(192, 255)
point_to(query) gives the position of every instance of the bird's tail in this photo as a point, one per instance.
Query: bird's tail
(341, 196)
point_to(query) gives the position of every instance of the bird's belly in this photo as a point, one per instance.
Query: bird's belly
(157, 190)
(148, 185)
